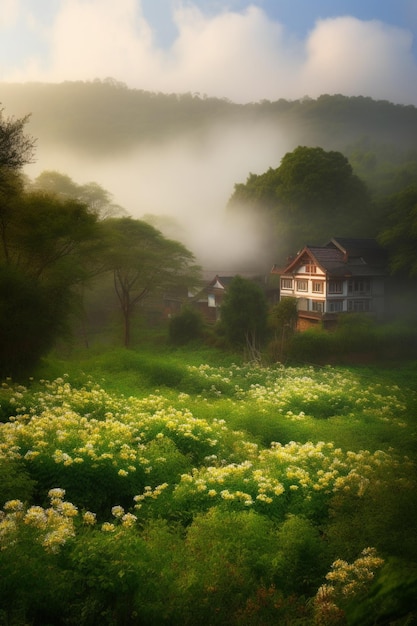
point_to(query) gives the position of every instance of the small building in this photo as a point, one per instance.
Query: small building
(344, 276)
(208, 301)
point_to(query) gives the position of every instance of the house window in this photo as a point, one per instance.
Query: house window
(359, 306)
(310, 268)
(302, 285)
(317, 306)
(359, 286)
(211, 300)
(335, 286)
(336, 306)
(318, 286)
(286, 283)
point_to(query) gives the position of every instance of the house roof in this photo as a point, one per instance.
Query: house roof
(220, 282)
(367, 250)
(343, 257)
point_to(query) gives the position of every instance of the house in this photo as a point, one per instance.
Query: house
(208, 301)
(345, 275)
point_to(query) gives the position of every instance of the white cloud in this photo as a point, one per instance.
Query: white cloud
(9, 12)
(243, 56)
(346, 55)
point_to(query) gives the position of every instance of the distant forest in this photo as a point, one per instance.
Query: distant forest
(378, 138)
(107, 115)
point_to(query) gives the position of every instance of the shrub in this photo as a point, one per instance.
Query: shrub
(185, 327)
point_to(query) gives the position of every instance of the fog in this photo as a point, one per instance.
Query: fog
(184, 185)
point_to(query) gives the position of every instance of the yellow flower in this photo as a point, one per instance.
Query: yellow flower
(128, 520)
(118, 511)
(89, 518)
(13, 505)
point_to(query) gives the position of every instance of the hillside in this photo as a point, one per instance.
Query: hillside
(96, 116)
(179, 156)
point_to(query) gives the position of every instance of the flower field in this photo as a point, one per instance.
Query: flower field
(227, 494)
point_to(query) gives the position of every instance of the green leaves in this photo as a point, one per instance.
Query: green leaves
(244, 314)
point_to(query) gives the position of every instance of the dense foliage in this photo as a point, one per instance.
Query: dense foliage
(231, 495)
(107, 115)
(312, 195)
(244, 314)
(52, 244)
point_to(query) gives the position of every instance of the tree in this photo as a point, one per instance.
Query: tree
(186, 326)
(48, 249)
(99, 200)
(399, 236)
(49, 238)
(244, 314)
(144, 262)
(311, 196)
(31, 318)
(282, 320)
(16, 148)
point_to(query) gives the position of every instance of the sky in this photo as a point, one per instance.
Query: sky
(237, 49)
(242, 50)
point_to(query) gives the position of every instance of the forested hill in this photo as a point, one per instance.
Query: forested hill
(106, 115)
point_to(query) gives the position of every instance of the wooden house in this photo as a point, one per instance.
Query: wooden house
(344, 276)
(208, 301)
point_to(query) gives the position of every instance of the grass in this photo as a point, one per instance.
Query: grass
(219, 481)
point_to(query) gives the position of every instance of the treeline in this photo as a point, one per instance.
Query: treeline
(57, 239)
(107, 114)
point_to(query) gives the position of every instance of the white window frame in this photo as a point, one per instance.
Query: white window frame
(359, 286)
(302, 281)
(359, 306)
(335, 286)
(335, 306)
(317, 306)
(286, 283)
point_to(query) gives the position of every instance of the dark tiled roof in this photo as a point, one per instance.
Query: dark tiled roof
(344, 256)
(368, 250)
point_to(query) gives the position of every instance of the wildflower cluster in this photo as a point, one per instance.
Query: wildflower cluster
(63, 425)
(53, 526)
(345, 582)
(285, 478)
(304, 391)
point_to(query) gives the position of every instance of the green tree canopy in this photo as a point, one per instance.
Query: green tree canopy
(244, 313)
(144, 262)
(99, 200)
(311, 196)
(400, 234)
(46, 251)
(16, 147)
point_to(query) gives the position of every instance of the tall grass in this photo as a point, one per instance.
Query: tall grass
(204, 489)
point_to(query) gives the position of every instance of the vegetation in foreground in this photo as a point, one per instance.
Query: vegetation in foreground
(143, 489)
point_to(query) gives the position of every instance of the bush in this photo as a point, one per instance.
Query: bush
(185, 327)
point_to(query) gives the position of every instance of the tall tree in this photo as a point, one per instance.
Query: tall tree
(244, 314)
(144, 262)
(16, 148)
(48, 247)
(399, 236)
(99, 200)
(312, 196)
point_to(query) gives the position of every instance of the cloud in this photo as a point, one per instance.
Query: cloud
(347, 55)
(243, 56)
(9, 12)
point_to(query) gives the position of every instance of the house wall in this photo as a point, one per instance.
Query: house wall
(332, 296)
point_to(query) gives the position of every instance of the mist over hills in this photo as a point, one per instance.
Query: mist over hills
(178, 156)
(107, 115)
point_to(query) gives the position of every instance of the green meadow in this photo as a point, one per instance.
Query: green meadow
(183, 486)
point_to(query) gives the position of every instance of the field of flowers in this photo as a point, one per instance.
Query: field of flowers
(228, 495)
